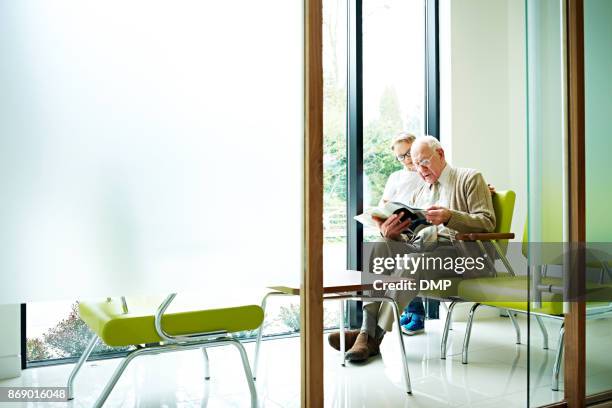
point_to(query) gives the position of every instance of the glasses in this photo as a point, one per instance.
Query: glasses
(402, 157)
(424, 162)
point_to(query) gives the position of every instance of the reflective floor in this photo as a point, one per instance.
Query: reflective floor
(496, 375)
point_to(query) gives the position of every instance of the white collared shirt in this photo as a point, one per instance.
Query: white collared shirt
(401, 185)
(441, 196)
(444, 187)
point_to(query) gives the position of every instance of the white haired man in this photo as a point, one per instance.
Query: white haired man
(456, 200)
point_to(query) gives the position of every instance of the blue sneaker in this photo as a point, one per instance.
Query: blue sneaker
(405, 318)
(416, 325)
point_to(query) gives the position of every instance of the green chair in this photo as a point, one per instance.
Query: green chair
(511, 293)
(503, 205)
(146, 326)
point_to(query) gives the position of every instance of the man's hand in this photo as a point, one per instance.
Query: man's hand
(437, 215)
(491, 189)
(392, 227)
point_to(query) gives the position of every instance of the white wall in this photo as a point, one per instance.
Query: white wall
(483, 100)
(10, 345)
(483, 92)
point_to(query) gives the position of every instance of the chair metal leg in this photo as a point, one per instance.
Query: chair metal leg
(544, 332)
(447, 324)
(206, 364)
(247, 371)
(517, 328)
(558, 359)
(260, 331)
(402, 347)
(90, 346)
(174, 347)
(342, 339)
(468, 332)
(116, 375)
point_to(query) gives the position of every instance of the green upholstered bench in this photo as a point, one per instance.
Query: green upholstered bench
(144, 323)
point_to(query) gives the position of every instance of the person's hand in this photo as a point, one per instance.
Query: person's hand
(392, 227)
(491, 188)
(437, 215)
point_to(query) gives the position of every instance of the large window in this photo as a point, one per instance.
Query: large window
(334, 133)
(394, 84)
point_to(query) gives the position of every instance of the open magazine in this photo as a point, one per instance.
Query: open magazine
(417, 215)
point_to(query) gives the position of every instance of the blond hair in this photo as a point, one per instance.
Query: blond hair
(403, 137)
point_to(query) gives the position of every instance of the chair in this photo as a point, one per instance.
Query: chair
(511, 293)
(151, 330)
(503, 206)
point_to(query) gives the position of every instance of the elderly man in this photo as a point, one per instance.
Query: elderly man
(456, 200)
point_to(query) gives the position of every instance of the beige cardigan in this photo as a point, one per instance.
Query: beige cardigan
(469, 201)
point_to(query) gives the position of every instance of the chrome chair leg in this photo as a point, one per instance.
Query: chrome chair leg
(90, 346)
(468, 332)
(544, 332)
(447, 324)
(116, 375)
(558, 358)
(247, 371)
(402, 347)
(342, 339)
(517, 328)
(260, 331)
(206, 364)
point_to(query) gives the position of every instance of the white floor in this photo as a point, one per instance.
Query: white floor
(496, 375)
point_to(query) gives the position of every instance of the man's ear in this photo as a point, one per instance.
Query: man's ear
(441, 153)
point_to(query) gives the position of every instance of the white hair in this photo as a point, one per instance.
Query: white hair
(433, 143)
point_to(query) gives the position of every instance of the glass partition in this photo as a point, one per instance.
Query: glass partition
(149, 148)
(546, 211)
(598, 143)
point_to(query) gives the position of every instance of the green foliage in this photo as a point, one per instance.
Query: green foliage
(36, 349)
(71, 335)
(378, 160)
(290, 316)
(334, 147)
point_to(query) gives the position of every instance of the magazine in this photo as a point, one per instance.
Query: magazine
(417, 215)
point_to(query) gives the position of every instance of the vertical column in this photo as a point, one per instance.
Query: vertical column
(575, 371)
(10, 341)
(311, 294)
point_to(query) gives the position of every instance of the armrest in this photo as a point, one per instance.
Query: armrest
(484, 236)
(175, 339)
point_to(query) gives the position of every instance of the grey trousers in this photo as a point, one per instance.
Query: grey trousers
(381, 314)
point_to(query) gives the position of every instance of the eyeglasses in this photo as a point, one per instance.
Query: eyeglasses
(424, 162)
(402, 157)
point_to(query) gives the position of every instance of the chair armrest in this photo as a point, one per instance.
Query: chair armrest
(484, 236)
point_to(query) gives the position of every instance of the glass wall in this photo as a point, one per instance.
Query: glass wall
(144, 150)
(598, 141)
(546, 195)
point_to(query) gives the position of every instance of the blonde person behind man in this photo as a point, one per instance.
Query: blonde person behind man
(456, 200)
(402, 183)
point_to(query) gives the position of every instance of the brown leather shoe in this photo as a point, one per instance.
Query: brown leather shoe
(349, 339)
(364, 348)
